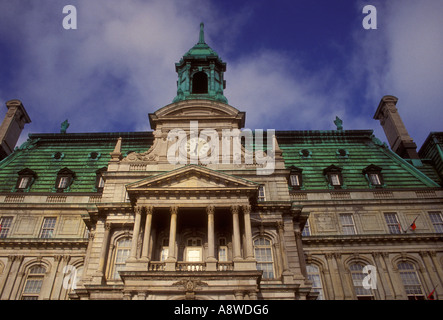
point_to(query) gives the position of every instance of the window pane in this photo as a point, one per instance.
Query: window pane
(63, 182)
(437, 221)
(5, 224)
(33, 286)
(48, 226)
(314, 276)
(261, 193)
(164, 254)
(410, 278)
(392, 223)
(335, 179)
(374, 179)
(24, 181)
(263, 254)
(306, 230)
(357, 280)
(295, 180)
(347, 223)
(121, 255)
(222, 254)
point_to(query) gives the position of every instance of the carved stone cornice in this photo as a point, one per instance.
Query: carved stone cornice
(379, 239)
(43, 244)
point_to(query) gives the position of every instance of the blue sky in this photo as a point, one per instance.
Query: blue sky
(291, 65)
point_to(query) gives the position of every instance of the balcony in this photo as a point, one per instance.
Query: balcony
(190, 266)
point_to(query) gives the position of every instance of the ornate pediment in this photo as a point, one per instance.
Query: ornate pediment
(197, 110)
(192, 178)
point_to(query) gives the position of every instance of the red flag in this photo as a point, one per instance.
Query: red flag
(413, 226)
(431, 295)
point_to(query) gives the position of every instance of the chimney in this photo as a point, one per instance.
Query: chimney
(12, 126)
(398, 137)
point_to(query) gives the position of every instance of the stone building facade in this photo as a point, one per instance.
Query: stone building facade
(166, 215)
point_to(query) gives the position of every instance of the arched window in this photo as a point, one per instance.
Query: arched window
(411, 281)
(34, 281)
(263, 254)
(315, 277)
(200, 83)
(358, 275)
(121, 253)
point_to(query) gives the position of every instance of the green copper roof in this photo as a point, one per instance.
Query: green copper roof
(310, 151)
(352, 151)
(201, 49)
(38, 153)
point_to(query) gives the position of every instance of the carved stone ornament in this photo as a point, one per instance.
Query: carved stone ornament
(190, 285)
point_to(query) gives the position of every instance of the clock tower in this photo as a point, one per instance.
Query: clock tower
(200, 73)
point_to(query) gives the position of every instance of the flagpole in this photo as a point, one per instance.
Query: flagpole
(412, 225)
(432, 293)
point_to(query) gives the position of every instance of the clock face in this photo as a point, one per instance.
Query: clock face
(197, 147)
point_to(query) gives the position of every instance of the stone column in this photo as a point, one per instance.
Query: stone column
(248, 232)
(236, 232)
(211, 261)
(135, 233)
(147, 234)
(281, 236)
(171, 260)
(103, 253)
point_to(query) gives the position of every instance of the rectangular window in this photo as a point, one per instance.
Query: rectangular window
(261, 193)
(193, 254)
(164, 250)
(120, 261)
(335, 179)
(33, 283)
(374, 178)
(295, 180)
(48, 227)
(307, 229)
(264, 262)
(347, 223)
(101, 182)
(392, 223)
(437, 221)
(314, 276)
(24, 182)
(223, 253)
(63, 182)
(5, 225)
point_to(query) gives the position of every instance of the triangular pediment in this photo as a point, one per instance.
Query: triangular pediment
(192, 178)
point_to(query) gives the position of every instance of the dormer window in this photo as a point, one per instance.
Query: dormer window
(373, 175)
(64, 180)
(99, 180)
(295, 178)
(25, 179)
(334, 176)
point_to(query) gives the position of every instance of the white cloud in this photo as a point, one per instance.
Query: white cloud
(118, 66)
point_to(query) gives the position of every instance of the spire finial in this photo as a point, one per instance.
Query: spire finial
(202, 33)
